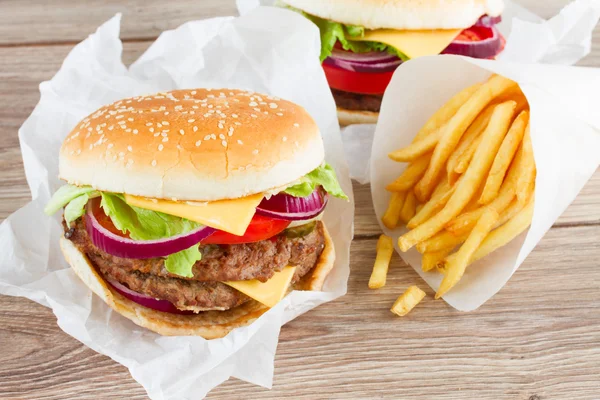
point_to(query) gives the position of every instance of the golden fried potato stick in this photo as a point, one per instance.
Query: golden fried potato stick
(456, 266)
(385, 249)
(470, 182)
(505, 155)
(443, 240)
(409, 207)
(504, 234)
(438, 200)
(430, 260)
(392, 214)
(441, 116)
(417, 149)
(465, 222)
(456, 127)
(472, 133)
(411, 175)
(407, 301)
(528, 175)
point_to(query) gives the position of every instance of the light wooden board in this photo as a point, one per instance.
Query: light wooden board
(538, 338)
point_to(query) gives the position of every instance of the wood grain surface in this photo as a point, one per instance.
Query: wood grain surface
(538, 338)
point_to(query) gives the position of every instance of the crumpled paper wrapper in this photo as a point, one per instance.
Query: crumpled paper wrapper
(259, 52)
(562, 40)
(565, 132)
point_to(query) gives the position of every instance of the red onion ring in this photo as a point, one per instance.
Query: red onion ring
(128, 248)
(364, 67)
(144, 300)
(485, 48)
(288, 207)
(488, 21)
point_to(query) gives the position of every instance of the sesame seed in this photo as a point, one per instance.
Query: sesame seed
(129, 148)
(193, 92)
(182, 132)
(256, 109)
(253, 115)
(240, 142)
(237, 123)
(296, 125)
(110, 146)
(272, 105)
(234, 115)
(224, 143)
(160, 147)
(149, 124)
(130, 119)
(253, 104)
(198, 143)
(255, 151)
(207, 137)
(166, 113)
(191, 120)
(159, 125)
(221, 136)
(151, 129)
(165, 123)
(154, 163)
(121, 154)
(165, 139)
(284, 139)
(119, 117)
(220, 125)
(135, 131)
(280, 114)
(179, 147)
(195, 128)
(213, 136)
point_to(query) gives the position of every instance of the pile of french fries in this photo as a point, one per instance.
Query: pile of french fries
(469, 186)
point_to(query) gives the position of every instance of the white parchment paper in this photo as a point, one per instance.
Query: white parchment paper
(565, 132)
(562, 40)
(268, 50)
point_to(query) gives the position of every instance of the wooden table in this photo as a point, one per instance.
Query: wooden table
(539, 338)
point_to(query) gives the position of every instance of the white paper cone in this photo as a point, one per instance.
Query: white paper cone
(565, 132)
(269, 50)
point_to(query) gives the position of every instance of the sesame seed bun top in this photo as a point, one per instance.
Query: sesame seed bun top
(402, 14)
(199, 144)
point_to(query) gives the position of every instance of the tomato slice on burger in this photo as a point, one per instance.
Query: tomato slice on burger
(357, 82)
(260, 228)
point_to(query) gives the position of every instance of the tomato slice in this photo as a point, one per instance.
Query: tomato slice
(260, 228)
(104, 219)
(357, 82)
(475, 34)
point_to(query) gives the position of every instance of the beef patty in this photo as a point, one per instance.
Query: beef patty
(204, 291)
(357, 101)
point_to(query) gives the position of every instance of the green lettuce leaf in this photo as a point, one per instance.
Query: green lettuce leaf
(322, 176)
(76, 208)
(332, 32)
(142, 224)
(64, 195)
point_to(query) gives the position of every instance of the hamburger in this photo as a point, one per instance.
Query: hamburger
(192, 212)
(364, 41)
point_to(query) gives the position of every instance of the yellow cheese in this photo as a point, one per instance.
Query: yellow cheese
(231, 216)
(269, 292)
(413, 43)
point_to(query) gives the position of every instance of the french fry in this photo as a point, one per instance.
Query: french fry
(411, 175)
(507, 232)
(465, 222)
(456, 266)
(463, 161)
(407, 301)
(450, 108)
(443, 240)
(456, 127)
(528, 174)
(409, 207)
(504, 157)
(470, 182)
(472, 133)
(417, 149)
(385, 249)
(431, 259)
(392, 214)
(437, 202)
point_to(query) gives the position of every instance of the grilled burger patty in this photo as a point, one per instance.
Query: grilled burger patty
(357, 101)
(204, 291)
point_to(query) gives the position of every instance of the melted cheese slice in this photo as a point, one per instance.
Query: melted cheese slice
(231, 216)
(413, 43)
(270, 292)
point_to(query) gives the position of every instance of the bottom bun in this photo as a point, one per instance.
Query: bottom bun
(351, 117)
(208, 324)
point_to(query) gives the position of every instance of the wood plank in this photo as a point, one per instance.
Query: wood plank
(22, 68)
(537, 336)
(27, 21)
